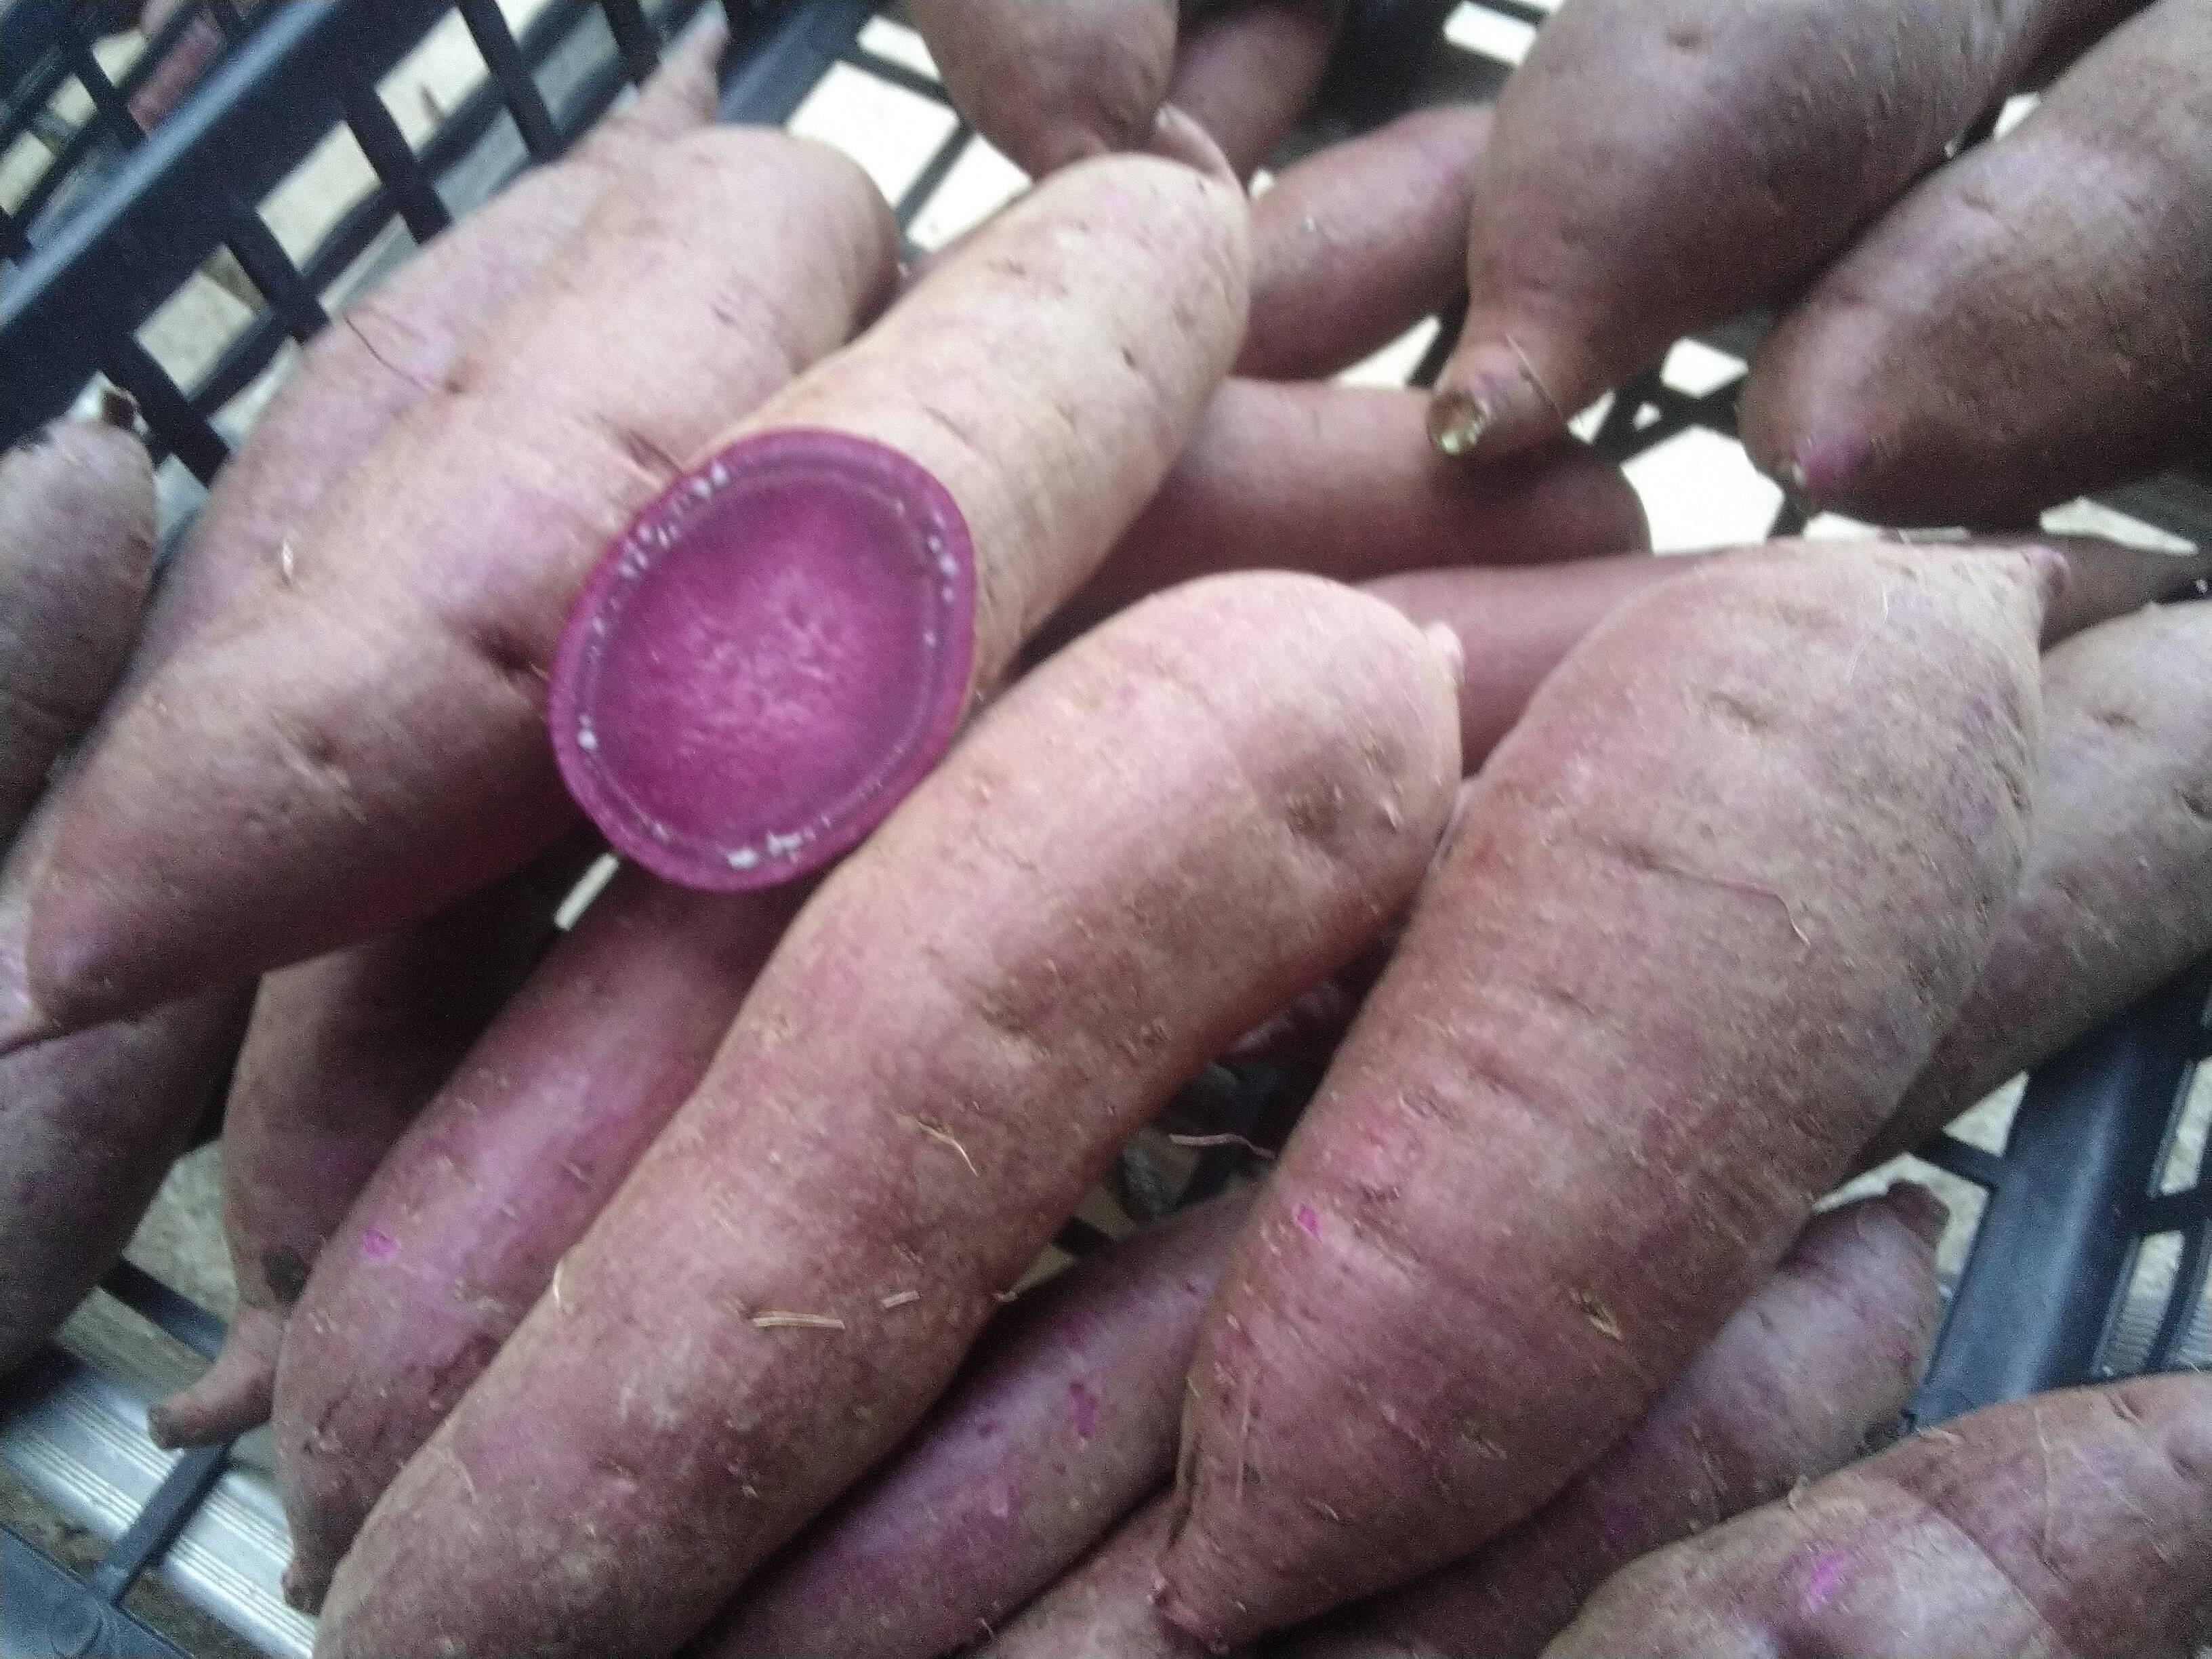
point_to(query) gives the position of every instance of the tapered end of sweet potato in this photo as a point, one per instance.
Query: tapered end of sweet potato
(1494, 399)
(773, 656)
(233, 1395)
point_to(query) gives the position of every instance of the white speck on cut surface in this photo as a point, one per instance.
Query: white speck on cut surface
(718, 475)
(587, 739)
(947, 563)
(743, 858)
(702, 489)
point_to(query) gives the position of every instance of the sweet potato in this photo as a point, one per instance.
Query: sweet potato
(90, 1123)
(2117, 897)
(782, 643)
(1789, 123)
(2031, 323)
(1049, 85)
(960, 1029)
(1104, 1609)
(1065, 1419)
(1335, 481)
(1245, 71)
(468, 1217)
(382, 713)
(2075, 1525)
(1715, 899)
(1514, 625)
(77, 558)
(1825, 1353)
(396, 345)
(340, 1055)
(1354, 244)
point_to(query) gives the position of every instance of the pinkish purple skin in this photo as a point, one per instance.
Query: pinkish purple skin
(771, 657)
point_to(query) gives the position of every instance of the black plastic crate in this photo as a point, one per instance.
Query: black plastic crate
(2083, 1195)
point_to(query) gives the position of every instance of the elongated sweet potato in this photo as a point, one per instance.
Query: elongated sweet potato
(1066, 1418)
(1713, 903)
(90, 1123)
(1789, 123)
(77, 558)
(1514, 624)
(1825, 1353)
(468, 1217)
(2031, 324)
(396, 345)
(1054, 84)
(1104, 1609)
(1335, 481)
(340, 1055)
(962, 1027)
(2075, 1525)
(1245, 71)
(382, 715)
(1354, 246)
(782, 643)
(2117, 897)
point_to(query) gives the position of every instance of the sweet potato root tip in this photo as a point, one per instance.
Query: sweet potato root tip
(233, 1395)
(768, 660)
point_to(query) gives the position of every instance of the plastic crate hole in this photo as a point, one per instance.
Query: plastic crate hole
(23, 164)
(890, 131)
(1490, 34)
(2185, 1165)
(521, 14)
(193, 325)
(236, 417)
(1587, 424)
(1701, 490)
(390, 248)
(1988, 1124)
(2017, 108)
(428, 84)
(1394, 365)
(1961, 1197)
(1699, 370)
(316, 194)
(895, 43)
(178, 494)
(2088, 518)
(2149, 1292)
(1835, 527)
(979, 183)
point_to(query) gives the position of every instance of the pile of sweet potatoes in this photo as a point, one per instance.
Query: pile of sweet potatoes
(1010, 689)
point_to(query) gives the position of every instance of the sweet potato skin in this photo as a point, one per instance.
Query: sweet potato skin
(1581, 268)
(548, 435)
(2031, 323)
(77, 559)
(1066, 1418)
(1246, 70)
(1826, 853)
(2075, 1525)
(340, 1055)
(1050, 85)
(1356, 244)
(1103, 1609)
(835, 1176)
(91, 1123)
(1336, 482)
(464, 1222)
(2117, 894)
(1825, 1353)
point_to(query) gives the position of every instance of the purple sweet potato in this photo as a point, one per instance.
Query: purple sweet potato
(782, 643)
(1659, 166)
(340, 1055)
(1049, 85)
(1356, 244)
(961, 1028)
(77, 558)
(2117, 897)
(467, 1219)
(1825, 1353)
(1514, 624)
(1104, 1609)
(1065, 1419)
(383, 712)
(1715, 899)
(90, 1123)
(397, 344)
(2031, 324)
(1245, 71)
(2075, 1525)
(1335, 481)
